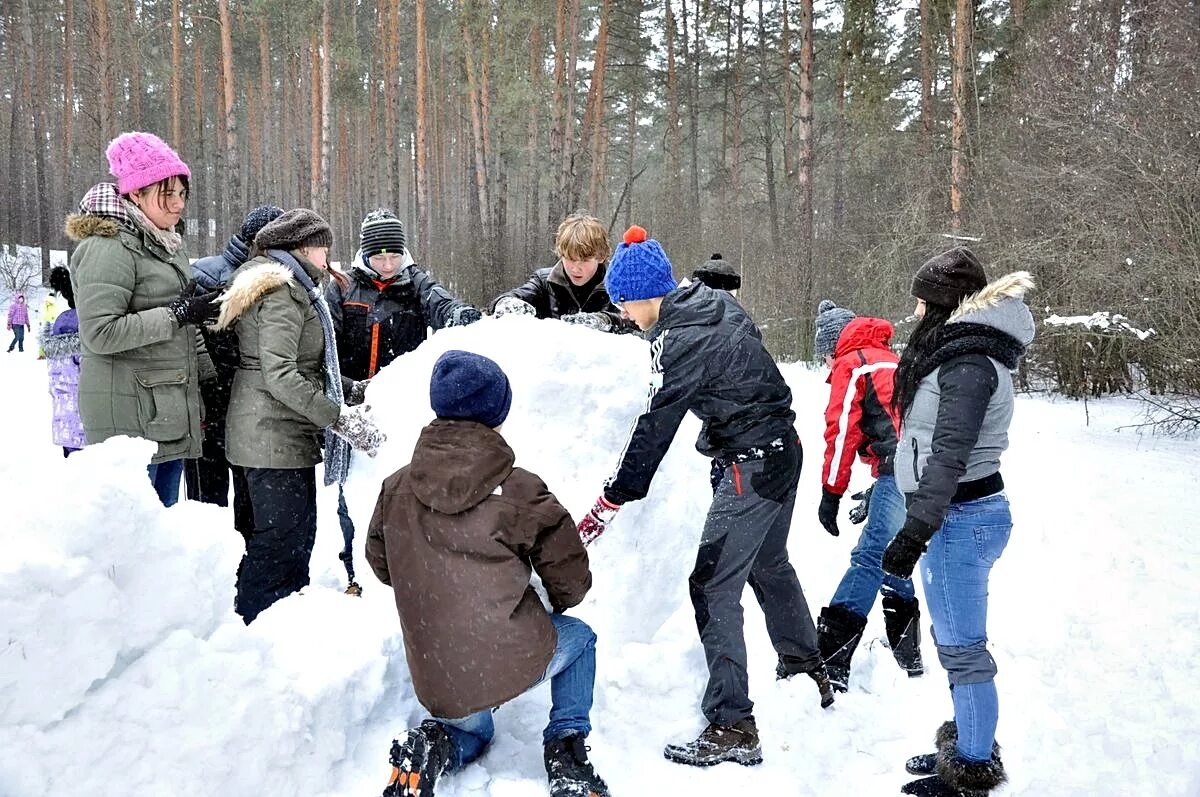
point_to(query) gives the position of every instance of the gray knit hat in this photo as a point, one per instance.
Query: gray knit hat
(831, 320)
(295, 229)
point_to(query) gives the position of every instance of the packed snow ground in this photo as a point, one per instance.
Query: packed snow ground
(123, 669)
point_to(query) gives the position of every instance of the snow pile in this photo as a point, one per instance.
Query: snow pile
(124, 669)
(1102, 321)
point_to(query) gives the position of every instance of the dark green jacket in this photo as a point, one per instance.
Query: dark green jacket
(278, 405)
(140, 374)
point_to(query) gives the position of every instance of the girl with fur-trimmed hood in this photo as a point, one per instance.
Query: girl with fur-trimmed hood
(287, 389)
(138, 314)
(954, 394)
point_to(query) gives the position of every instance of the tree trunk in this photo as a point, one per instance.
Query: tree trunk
(960, 79)
(481, 178)
(631, 142)
(845, 55)
(673, 141)
(270, 180)
(323, 177)
(768, 133)
(803, 275)
(926, 22)
(231, 186)
(694, 118)
(1018, 13)
(789, 168)
(314, 110)
(593, 115)
(132, 63)
(68, 93)
(559, 125)
(102, 68)
(422, 175)
(37, 109)
(200, 183)
(533, 208)
(567, 172)
(176, 73)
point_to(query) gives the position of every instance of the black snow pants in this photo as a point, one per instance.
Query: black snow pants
(285, 527)
(745, 540)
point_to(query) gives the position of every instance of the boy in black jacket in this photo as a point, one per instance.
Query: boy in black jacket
(387, 310)
(707, 356)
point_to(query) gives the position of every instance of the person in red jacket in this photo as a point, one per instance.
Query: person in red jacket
(860, 421)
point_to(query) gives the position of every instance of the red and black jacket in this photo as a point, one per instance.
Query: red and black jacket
(377, 321)
(859, 418)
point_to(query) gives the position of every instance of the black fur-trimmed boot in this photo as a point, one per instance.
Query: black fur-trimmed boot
(902, 621)
(839, 631)
(950, 775)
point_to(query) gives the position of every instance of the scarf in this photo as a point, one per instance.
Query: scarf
(959, 338)
(337, 450)
(102, 199)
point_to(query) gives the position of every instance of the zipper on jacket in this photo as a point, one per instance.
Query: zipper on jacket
(916, 476)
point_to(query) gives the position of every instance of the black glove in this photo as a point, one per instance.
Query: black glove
(859, 513)
(190, 308)
(462, 316)
(828, 511)
(902, 553)
(357, 393)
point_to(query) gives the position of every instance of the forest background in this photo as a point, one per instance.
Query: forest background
(824, 147)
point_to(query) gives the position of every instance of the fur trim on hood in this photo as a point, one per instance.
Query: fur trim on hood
(1010, 286)
(85, 225)
(249, 285)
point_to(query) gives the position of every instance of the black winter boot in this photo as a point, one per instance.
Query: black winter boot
(569, 771)
(951, 775)
(902, 620)
(419, 757)
(718, 743)
(839, 631)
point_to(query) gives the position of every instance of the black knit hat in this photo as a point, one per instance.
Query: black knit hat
(381, 233)
(256, 219)
(948, 278)
(718, 274)
(296, 229)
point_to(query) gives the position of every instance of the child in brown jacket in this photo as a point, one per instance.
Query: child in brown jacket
(456, 533)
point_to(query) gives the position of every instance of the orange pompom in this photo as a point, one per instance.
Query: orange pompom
(635, 235)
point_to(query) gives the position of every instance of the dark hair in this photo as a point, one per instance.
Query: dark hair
(922, 342)
(165, 185)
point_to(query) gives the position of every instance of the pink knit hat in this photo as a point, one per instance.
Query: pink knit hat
(141, 159)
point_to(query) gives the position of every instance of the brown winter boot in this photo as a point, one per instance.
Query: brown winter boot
(718, 743)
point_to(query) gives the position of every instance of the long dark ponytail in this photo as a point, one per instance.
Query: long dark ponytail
(921, 343)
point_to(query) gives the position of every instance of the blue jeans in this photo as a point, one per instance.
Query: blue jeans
(572, 674)
(347, 554)
(956, 568)
(865, 578)
(18, 337)
(165, 478)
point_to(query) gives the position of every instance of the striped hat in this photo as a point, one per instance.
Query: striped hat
(381, 233)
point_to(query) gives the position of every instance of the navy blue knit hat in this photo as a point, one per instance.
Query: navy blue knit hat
(639, 269)
(256, 219)
(469, 387)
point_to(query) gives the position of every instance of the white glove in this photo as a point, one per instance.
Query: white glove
(513, 305)
(597, 321)
(356, 428)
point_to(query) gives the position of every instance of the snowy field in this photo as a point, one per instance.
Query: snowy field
(123, 669)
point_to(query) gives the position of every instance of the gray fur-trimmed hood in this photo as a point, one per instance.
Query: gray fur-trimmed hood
(250, 284)
(1001, 305)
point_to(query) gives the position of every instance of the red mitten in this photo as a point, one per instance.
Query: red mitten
(595, 522)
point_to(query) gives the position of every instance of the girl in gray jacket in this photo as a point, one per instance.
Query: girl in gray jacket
(954, 394)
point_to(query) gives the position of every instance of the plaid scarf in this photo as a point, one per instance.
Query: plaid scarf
(102, 199)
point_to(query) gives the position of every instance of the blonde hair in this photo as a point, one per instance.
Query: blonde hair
(580, 237)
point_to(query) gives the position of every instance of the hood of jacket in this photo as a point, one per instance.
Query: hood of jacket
(456, 464)
(864, 333)
(251, 283)
(362, 265)
(689, 306)
(214, 271)
(1000, 305)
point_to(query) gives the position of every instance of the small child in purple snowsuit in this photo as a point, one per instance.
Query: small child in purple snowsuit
(18, 319)
(63, 356)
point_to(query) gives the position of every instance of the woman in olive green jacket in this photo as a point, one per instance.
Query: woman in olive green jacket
(287, 389)
(140, 374)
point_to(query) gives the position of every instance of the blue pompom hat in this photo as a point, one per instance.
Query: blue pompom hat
(639, 269)
(471, 387)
